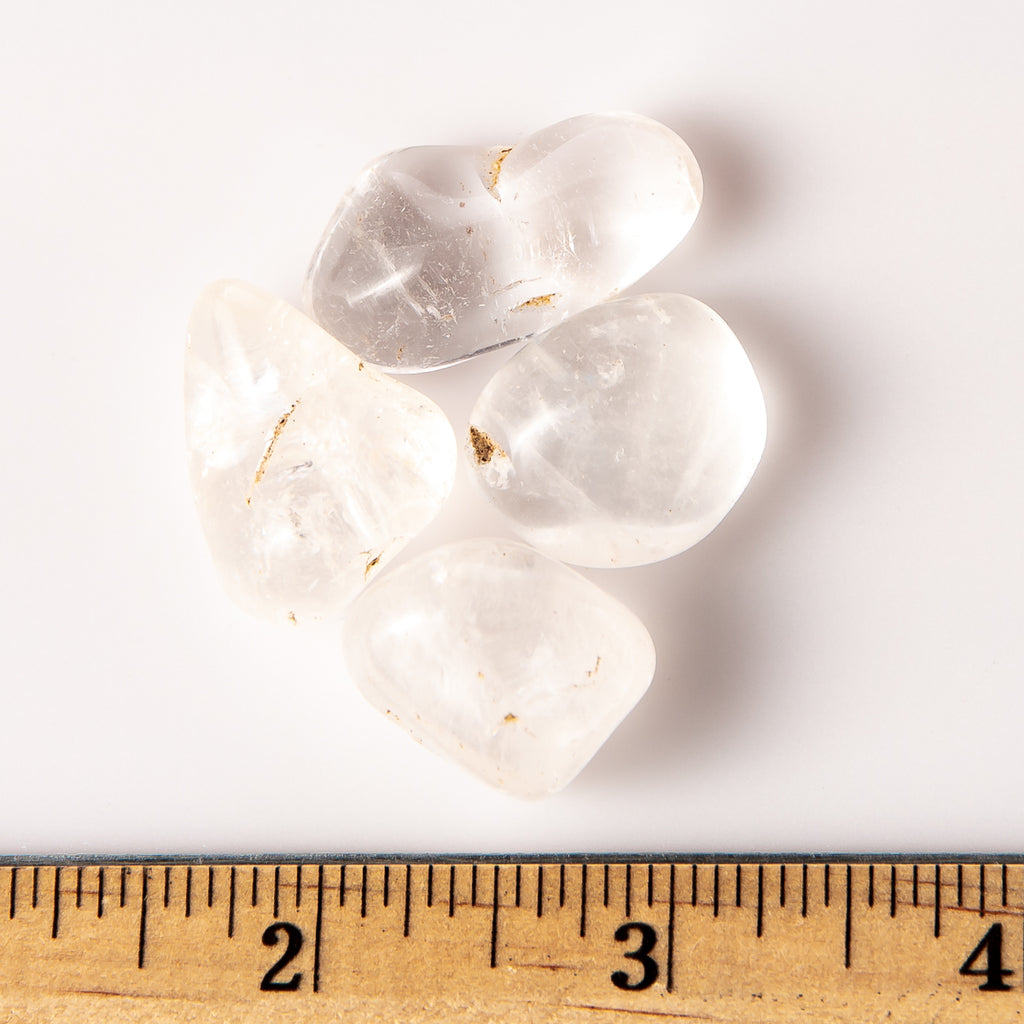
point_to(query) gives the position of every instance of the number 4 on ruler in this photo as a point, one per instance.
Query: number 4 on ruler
(991, 946)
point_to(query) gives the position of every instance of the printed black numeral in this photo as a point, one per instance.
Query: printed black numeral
(994, 972)
(648, 940)
(270, 938)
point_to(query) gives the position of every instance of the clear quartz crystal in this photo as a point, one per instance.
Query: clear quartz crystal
(500, 659)
(622, 436)
(439, 253)
(310, 468)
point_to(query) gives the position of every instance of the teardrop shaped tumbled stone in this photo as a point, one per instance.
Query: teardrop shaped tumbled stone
(622, 436)
(500, 659)
(310, 469)
(441, 252)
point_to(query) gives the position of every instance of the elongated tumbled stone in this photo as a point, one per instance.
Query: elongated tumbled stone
(310, 468)
(441, 252)
(622, 436)
(500, 659)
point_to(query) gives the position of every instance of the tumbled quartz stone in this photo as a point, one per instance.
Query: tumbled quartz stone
(502, 660)
(310, 468)
(622, 436)
(441, 252)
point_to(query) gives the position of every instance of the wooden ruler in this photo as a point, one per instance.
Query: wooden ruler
(474, 941)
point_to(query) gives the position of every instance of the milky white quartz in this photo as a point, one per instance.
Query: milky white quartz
(440, 252)
(500, 659)
(310, 469)
(622, 436)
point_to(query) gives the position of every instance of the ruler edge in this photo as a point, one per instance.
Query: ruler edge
(261, 859)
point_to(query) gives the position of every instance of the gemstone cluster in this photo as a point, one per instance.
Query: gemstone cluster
(620, 434)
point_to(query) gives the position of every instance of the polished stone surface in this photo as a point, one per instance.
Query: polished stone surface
(504, 661)
(622, 436)
(310, 468)
(440, 252)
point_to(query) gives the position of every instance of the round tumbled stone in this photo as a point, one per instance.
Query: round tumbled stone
(441, 252)
(500, 659)
(310, 468)
(622, 436)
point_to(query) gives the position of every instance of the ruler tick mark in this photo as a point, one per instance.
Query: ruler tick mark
(231, 903)
(1004, 885)
(561, 885)
(472, 893)
(167, 885)
(849, 912)
(650, 885)
(782, 885)
(451, 891)
(494, 920)
(362, 898)
(540, 890)
(519, 884)
(938, 897)
(124, 885)
(892, 891)
(629, 872)
(188, 892)
(78, 888)
(14, 891)
(430, 885)
(142, 919)
(981, 886)
(99, 894)
(277, 891)
(959, 885)
(387, 884)
(693, 885)
(606, 873)
(298, 886)
(914, 886)
(256, 885)
(715, 892)
(803, 890)
(760, 900)
(209, 886)
(35, 887)
(871, 885)
(583, 901)
(739, 886)
(341, 887)
(319, 926)
(408, 895)
(828, 886)
(56, 902)
(669, 971)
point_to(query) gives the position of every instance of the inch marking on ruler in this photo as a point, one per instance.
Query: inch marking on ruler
(468, 939)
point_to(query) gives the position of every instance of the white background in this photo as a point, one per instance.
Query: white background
(840, 662)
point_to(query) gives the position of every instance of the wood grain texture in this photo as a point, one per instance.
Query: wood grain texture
(521, 942)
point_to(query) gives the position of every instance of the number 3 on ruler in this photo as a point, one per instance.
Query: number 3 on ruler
(648, 940)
